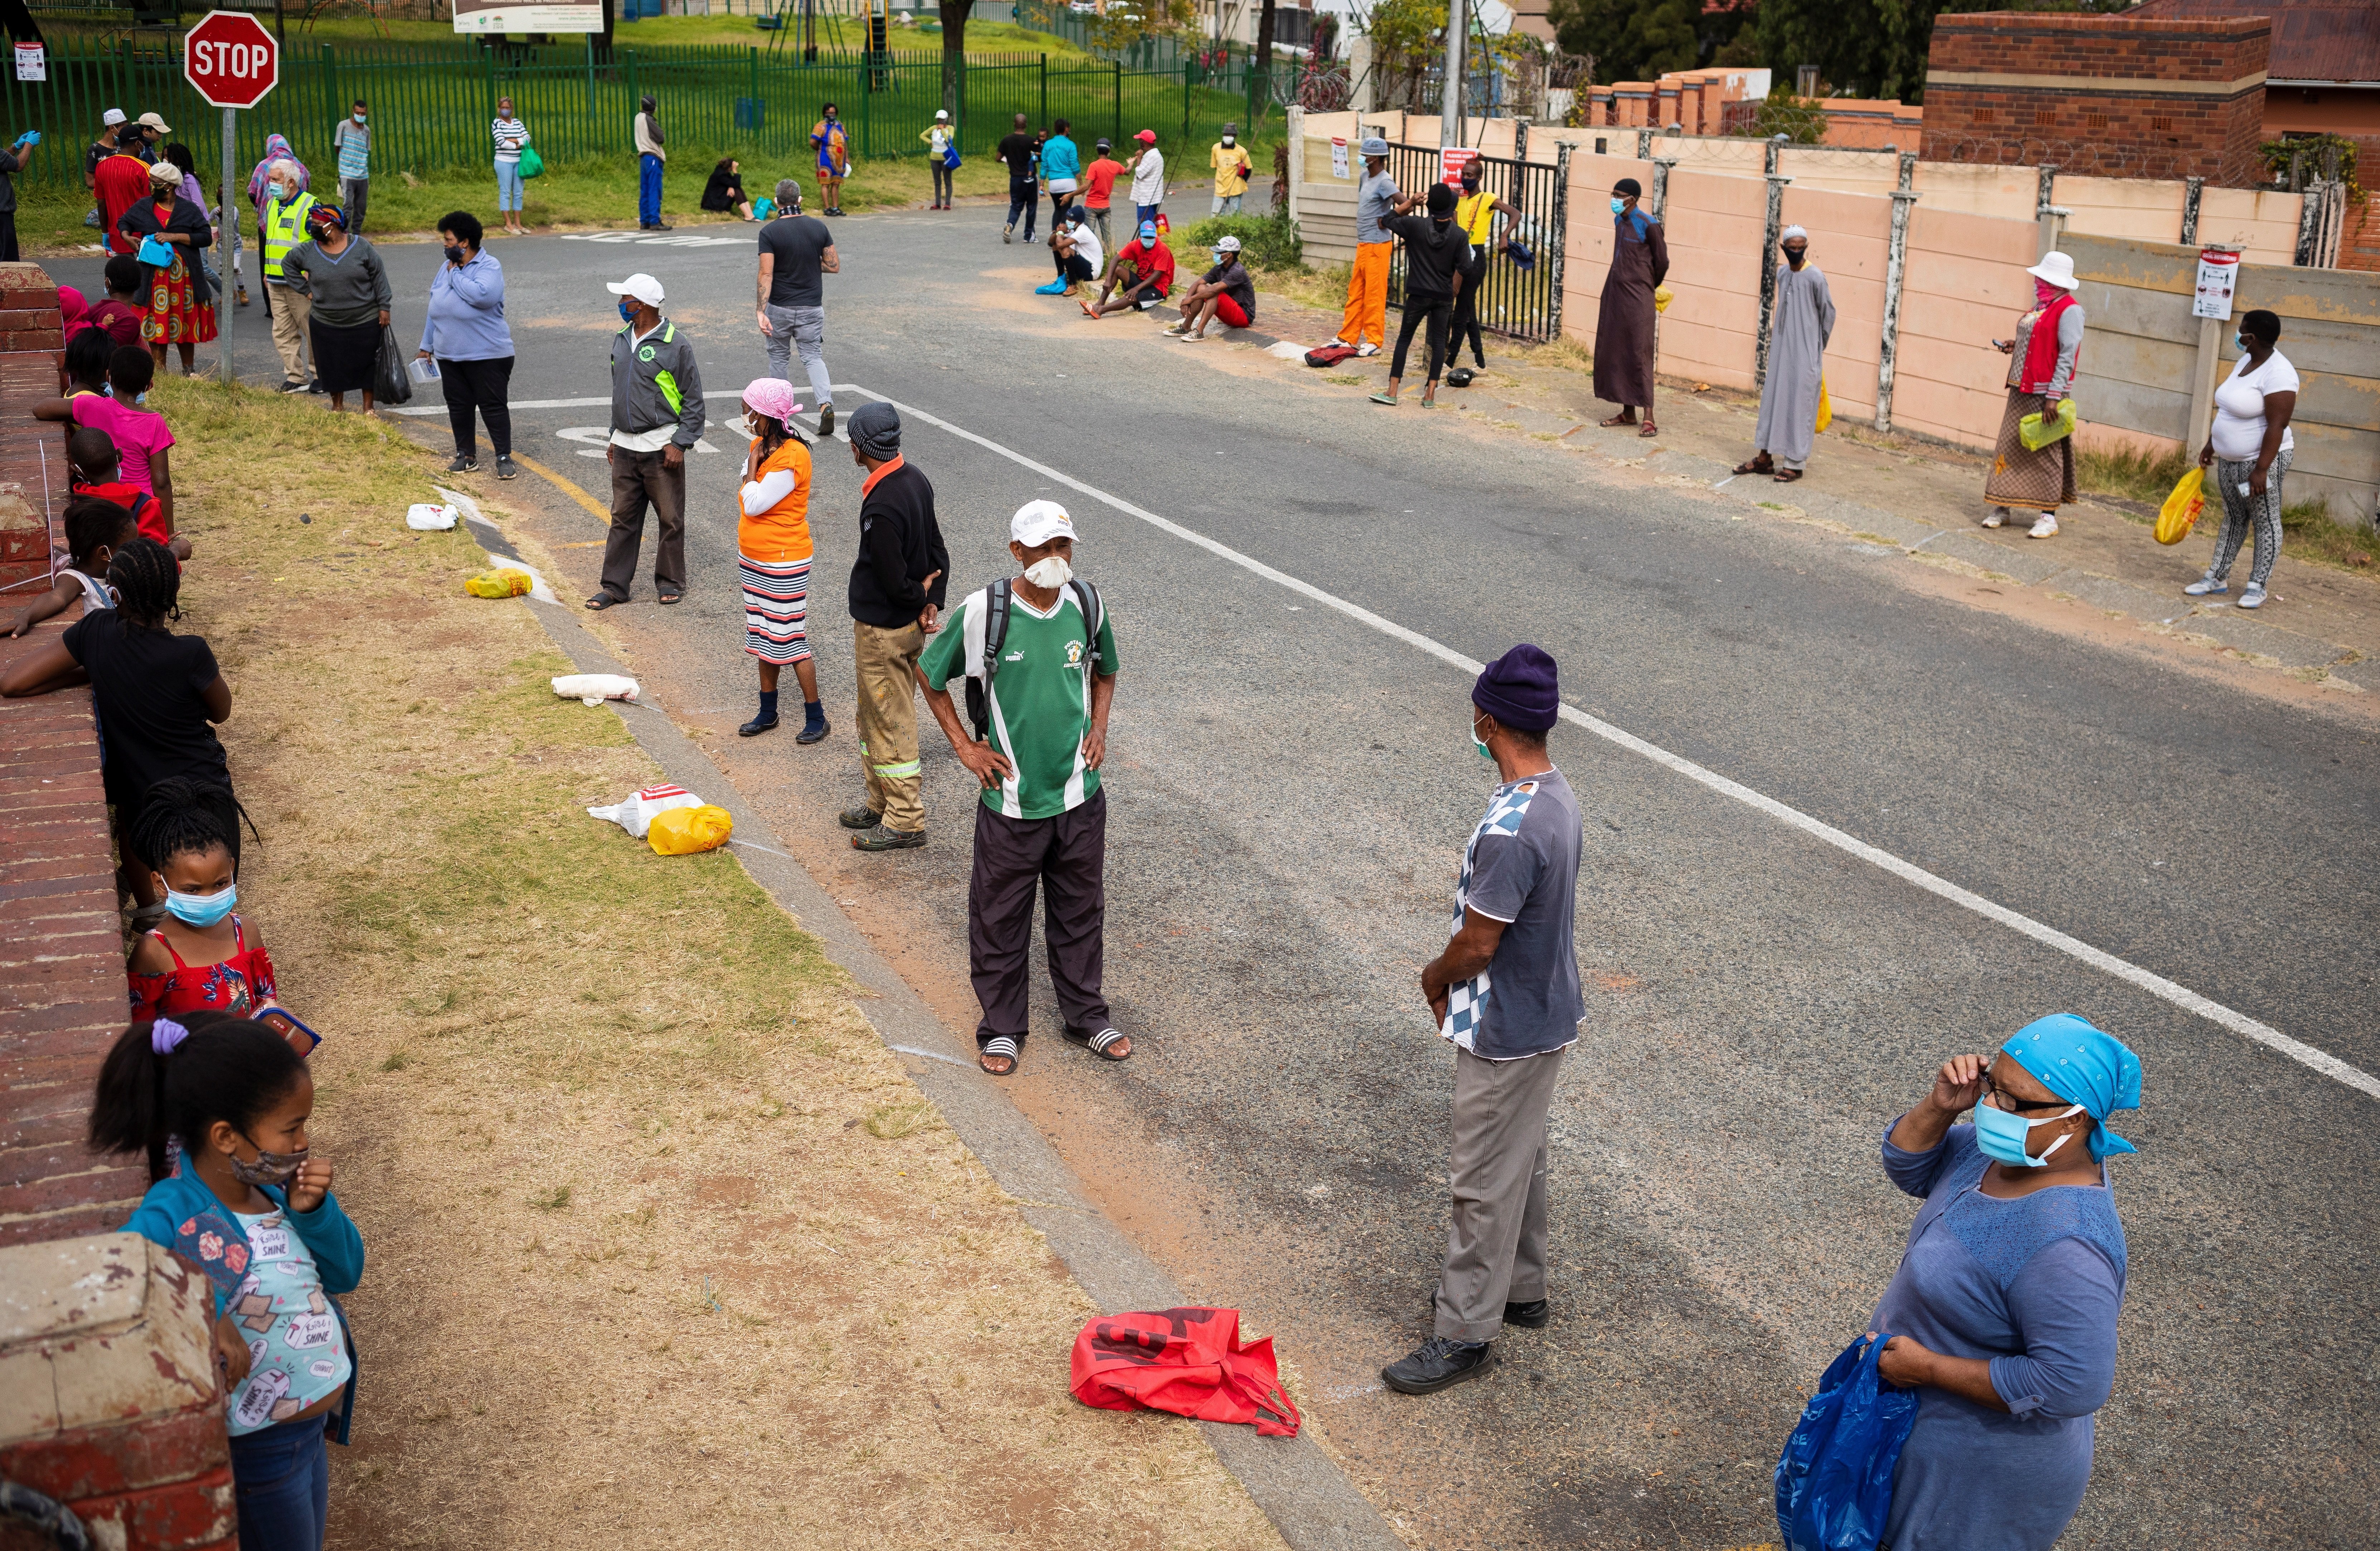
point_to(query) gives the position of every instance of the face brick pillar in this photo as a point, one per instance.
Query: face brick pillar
(30, 344)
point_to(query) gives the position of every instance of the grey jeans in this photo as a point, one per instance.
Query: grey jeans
(803, 329)
(2241, 512)
(1496, 1245)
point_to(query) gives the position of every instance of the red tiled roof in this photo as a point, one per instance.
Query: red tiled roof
(2313, 40)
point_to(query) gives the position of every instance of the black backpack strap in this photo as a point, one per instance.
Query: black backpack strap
(995, 635)
(1086, 598)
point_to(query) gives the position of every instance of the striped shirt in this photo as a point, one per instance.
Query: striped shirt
(354, 149)
(510, 134)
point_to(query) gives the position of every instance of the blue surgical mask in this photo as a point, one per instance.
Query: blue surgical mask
(202, 910)
(627, 313)
(2241, 340)
(1619, 207)
(2002, 1135)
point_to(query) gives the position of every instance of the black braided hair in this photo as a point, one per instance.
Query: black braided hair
(174, 818)
(91, 522)
(147, 581)
(87, 355)
(228, 1068)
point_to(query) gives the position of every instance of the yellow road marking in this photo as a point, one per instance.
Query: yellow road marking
(568, 487)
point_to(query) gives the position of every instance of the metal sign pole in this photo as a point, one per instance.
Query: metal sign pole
(226, 235)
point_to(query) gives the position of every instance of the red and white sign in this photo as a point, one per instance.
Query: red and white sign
(231, 59)
(2218, 275)
(1452, 160)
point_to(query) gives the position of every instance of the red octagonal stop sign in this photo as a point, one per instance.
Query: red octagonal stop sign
(231, 59)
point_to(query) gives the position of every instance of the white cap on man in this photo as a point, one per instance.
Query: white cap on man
(941, 114)
(643, 288)
(111, 118)
(1037, 522)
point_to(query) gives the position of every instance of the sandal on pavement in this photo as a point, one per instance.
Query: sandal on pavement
(858, 819)
(1102, 1044)
(1757, 465)
(1649, 428)
(1000, 1048)
(603, 601)
(1625, 418)
(1787, 476)
(671, 597)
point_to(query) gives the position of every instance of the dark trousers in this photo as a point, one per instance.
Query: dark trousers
(1074, 266)
(1466, 313)
(639, 478)
(1434, 311)
(355, 194)
(7, 236)
(1058, 203)
(1067, 856)
(943, 180)
(1025, 199)
(648, 189)
(485, 386)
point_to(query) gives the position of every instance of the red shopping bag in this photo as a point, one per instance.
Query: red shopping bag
(1188, 1362)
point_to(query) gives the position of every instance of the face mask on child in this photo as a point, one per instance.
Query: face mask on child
(269, 1169)
(202, 910)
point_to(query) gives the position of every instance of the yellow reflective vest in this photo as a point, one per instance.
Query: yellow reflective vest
(284, 228)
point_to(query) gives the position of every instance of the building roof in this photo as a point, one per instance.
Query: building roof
(2313, 40)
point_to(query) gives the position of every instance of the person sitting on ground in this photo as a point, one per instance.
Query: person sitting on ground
(1227, 293)
(95, 530)
(122, 313)
(1076, 249)
(724, 192)
(156, 694)
(93, 468)
(202, 957)
(1143, 276)
(140, 435)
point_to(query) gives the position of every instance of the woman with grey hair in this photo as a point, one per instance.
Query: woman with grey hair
(2249, 447)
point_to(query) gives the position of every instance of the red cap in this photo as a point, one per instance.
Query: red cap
(1147, 137)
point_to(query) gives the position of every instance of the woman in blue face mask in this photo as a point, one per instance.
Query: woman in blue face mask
(2002, 1316)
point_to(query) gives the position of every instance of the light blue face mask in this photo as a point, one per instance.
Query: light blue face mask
(2002, 1135)
(202, 910)
(1619, 207)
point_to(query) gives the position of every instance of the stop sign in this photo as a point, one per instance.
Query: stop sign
(231, 59)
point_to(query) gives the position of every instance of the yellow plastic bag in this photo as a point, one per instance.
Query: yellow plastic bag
(681, 832)
(1662, 297)
(1825, 406)
(2181, 511)
(504, 582)
(2037, 432)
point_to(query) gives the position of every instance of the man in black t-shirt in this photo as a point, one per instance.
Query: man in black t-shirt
(1021, 152)
(1436, 253)
(796, 252)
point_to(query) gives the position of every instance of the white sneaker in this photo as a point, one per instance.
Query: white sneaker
(1366, 348)
(2046, 528)
(1998, 517)
(1336, 343)
(2252, 596)
(2205, 587)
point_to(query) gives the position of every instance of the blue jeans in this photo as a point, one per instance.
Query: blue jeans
(649, 190)
(508, 185)
(282, 1477)
(1146, 212)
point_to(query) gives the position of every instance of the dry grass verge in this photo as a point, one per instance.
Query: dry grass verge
(665, 1248)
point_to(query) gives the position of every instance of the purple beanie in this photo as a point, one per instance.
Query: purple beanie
(1518, 689)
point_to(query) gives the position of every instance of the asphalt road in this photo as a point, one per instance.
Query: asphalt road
(1290, 788)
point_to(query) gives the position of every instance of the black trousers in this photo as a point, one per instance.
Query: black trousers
(7, 236)
(1058, 203)
(484, 385)
(943, 180)
(1074, 266)
(1025, 199)
(1066, 856)
(1466, 313)
(1417, 309)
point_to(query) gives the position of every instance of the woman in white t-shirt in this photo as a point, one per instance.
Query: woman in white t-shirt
(2249, 447)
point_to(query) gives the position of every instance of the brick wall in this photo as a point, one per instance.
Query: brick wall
(2099, 94)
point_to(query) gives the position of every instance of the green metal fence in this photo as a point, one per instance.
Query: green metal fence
(430, 104)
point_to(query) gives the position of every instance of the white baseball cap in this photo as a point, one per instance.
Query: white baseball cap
(941, 112)
(112, 116)
(1037, 522)
(644, 287)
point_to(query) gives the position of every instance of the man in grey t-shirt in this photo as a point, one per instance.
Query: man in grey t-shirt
(796, 252)
(1505, 993)
(1368, 280)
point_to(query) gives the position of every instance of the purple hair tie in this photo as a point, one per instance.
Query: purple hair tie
(165, 1034)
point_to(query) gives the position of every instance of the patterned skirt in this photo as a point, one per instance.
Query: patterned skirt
(173, 317)
(2038, 481)
(775, 598)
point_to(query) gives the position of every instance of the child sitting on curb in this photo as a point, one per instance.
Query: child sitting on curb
(202, 957)
(94, 468)
(121, 315)
(249, 1205)
(95, 530)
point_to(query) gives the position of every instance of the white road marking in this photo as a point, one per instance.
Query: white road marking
(2099, 959)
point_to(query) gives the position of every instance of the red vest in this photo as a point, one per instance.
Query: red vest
(2041, 352)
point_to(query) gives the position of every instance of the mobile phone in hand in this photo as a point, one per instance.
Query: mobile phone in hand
(301, 1038)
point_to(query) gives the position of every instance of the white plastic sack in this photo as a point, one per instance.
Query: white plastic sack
(635, 813)
(429, 519)
(595, 688)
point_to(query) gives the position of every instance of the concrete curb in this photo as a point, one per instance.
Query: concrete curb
(1300, 1488)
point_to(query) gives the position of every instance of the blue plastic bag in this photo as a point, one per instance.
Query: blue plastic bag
(1834, 1480)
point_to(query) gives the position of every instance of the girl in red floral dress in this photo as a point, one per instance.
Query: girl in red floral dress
(202, 958)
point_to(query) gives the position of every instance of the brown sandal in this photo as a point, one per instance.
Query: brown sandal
(1757, 465)
(1787, 476)
(1649, 428)
(1625, 418)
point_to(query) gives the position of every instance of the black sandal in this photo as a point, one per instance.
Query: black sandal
(671, 597)
(603, 601)
(1757, 465)
(1101, 1044)
(1000, 1046)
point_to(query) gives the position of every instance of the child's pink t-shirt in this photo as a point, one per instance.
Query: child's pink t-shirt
(136, 433)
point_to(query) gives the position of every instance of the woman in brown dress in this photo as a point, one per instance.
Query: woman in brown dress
(2041, 372)
(1623, 326)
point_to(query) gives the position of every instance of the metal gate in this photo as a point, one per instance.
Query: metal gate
(1521, 304)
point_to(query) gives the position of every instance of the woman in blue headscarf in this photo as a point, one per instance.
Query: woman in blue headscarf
(2002, 1316)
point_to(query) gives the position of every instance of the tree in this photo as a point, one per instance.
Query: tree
(1264, 39)
(1631, 39)
(1875, 46)
(954, 20)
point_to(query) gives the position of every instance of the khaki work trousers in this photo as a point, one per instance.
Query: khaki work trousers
(1496, 1248)
(290, 310)
(887, 665)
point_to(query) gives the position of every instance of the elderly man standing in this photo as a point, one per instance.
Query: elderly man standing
(281, 220)
(1367, 282)
(797, 253)
(656, 416)
(652, 156)
(897, 589)
(1505, 993)
(1623, 328)
(1800, 326)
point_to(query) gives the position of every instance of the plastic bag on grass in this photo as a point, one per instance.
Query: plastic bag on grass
(2037, 432)
(504, 581)
(594, 688)
(685, 830)
(1188, 1362)
(431, 517)
(2181, 511)
(637, 811)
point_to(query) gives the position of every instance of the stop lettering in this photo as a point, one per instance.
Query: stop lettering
(231, 59)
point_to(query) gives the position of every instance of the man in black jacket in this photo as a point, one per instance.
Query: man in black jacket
(896, 599)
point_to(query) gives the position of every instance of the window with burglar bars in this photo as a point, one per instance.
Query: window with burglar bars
(1517, 303)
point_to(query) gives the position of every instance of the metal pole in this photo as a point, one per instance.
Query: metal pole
(2044, 210)
(1896, 270)
(1777, 183)
(225, 231)
(1449, 106)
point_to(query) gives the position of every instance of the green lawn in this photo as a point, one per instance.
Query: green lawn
(839, 33)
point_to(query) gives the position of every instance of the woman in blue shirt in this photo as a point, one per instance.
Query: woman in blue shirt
(1061, 168)
(466, 332)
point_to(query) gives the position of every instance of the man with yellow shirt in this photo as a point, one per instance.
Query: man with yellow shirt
(1232, 169)
(1475, 210)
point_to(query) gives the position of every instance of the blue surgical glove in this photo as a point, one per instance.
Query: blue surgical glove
(31, 137)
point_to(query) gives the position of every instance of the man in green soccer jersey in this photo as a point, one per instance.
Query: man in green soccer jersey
(1041, 657)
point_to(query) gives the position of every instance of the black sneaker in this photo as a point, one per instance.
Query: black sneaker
(1532, 1315)
(465, 463)
(505, 469)
(293, 387)
(316, 386)
(826, 419)
(1437, 1364)
(858, 819)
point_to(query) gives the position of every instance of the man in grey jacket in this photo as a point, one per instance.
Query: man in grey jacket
(656, 416)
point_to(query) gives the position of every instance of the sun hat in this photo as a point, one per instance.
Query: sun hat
(644, 287)
(1037, 522)
(772, 396)
(2057, 269)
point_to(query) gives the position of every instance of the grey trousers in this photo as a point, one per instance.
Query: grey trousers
(2241, 512)
(1496, 1247)
(803, 329)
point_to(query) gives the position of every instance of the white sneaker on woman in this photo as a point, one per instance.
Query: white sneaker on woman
(2252, 596)
(2205, 587)
(1999, 515)
(2046, 528)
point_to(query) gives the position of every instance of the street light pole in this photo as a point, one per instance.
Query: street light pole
(1450, 109)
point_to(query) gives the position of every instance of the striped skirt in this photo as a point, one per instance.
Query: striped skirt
(775, 597)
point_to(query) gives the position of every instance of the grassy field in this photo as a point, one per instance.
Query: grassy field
(665, 1248)
(833, 32)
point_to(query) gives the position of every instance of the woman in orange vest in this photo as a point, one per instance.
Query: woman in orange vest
(772, 551)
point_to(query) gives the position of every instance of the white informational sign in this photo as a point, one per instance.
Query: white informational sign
(32, 62)
(2219, 273)
(1452, 160)
(1338, 159)
(528, 16)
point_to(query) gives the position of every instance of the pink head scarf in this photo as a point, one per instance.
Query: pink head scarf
(73, 311)
(772, 396)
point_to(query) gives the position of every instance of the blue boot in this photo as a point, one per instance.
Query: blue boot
(814, 726)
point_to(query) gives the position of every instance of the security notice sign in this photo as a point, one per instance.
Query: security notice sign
(529, 16)
(2218, 275)
(32, 62)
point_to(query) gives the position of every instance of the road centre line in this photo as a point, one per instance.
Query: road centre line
(2099, 959)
